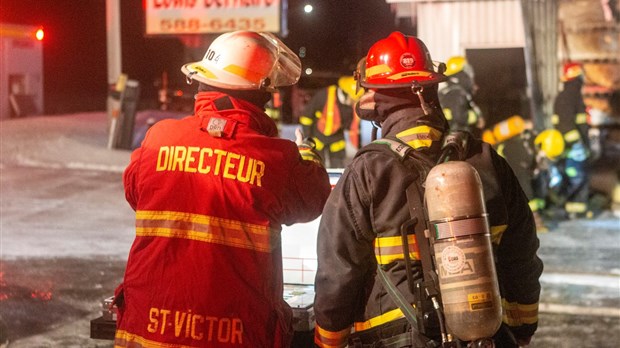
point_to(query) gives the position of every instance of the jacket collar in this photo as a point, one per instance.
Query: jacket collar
(417, 130)
(216, 104)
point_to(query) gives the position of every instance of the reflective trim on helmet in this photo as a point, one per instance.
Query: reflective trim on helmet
(377, 70)
(406, 74)
(195, 67)
(243, 72)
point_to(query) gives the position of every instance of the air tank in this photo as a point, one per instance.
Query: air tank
(461, 241)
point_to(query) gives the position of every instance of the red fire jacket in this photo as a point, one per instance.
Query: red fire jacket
(211, 192)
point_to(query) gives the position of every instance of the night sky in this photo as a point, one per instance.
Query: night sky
(336, 35)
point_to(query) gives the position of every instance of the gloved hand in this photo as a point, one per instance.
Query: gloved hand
(307, 147)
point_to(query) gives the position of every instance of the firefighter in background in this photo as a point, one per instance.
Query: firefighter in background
(327, 116)
(549, 146)
(531, 156)
(514, 140)
(211, 192)
(570, 118)
(456, 97)
(360, 228)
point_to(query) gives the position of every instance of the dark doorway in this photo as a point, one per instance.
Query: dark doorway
(500, 77)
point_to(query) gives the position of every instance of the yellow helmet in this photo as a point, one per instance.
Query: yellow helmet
(349, 86)
(455, 65)
(551, 142)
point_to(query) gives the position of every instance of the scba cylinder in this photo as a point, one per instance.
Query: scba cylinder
(463, 254)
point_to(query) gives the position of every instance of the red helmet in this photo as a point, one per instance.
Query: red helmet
(396, 62)
(571, 70)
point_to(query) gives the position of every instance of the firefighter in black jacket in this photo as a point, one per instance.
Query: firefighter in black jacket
(570, 119)
(326, 117)
(361, 221)
(456, 97)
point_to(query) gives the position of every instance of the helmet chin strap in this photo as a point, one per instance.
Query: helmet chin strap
(190, 77)
(417, 89)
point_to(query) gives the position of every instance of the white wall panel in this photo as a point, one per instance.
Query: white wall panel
(449, 28)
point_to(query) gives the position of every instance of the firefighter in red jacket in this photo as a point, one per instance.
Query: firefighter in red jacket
(363, 223)
(326, 117)
(211, 192)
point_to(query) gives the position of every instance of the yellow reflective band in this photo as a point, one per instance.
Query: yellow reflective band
(421, 136)
(448, 114)
(204, 228)
(472, 117)
(318, 145)
(536, 204)
(306, 121)
(390, 249)
(581, 118)
(571, 172)
(331, 339)
(379, 320)
(555, 119)
(383, 242)
(516, 314)
(242, 72)
(309, 155)
(337, 146)
(126, 339)
(405, 74)
(329, 113)
(575, 207)
(378, 69)
(496, 233)
(500, 150)
(572, 136)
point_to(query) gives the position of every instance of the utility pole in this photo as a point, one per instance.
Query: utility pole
(113, 35)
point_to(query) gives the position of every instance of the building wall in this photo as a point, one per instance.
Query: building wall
(449, 28)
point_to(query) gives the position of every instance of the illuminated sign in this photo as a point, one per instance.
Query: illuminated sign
(211, 16)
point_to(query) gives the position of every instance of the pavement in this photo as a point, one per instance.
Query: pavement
(65, 231)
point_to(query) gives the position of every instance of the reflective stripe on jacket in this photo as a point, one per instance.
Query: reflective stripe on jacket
(326, 118)
(211, 193)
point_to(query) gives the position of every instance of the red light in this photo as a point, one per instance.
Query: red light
(39, 34)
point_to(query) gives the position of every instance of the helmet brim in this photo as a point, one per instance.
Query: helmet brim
(405, 79)
(196, 71)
